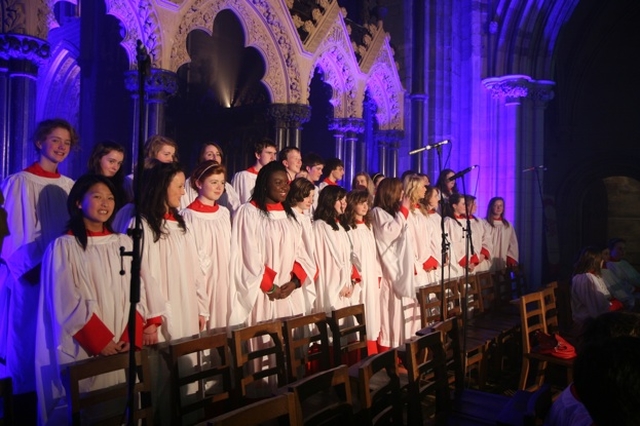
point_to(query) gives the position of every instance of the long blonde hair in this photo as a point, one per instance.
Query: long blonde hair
(412, 183)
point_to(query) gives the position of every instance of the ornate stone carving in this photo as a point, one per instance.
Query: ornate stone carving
(160, 83)
(262, 26)
(344, 125)
(287, 115)
(386, 90)
(17, 46)
(512, 88)
(139, 23)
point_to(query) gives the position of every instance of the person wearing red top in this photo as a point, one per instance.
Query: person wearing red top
(244, 181)
(210, 225)
(84, 300)
(35, 202)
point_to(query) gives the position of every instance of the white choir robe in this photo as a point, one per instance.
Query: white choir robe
(434, 247)
(504, 243)
(333, 257)
(482, 243)
(587, 299)
(625, 272)
(229, 198)
(395, 251)
(457, 241)
(212, 232)
(308, 236)
(243, 183)
(84, 304)
(364, 246)
(36, 209)
(267, 247)
(418, 227)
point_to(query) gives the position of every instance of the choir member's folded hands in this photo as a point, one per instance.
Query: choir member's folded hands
(346, 291)
(286, 289)
(274, 293)
(113, 348)
(201, 322)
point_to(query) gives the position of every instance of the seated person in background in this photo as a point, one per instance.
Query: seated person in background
(618, 288)
(589, 294)
(568, 410)
(619, 266)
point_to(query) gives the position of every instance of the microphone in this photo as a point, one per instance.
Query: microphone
(532, 168)
(428, 147)
(462, 173)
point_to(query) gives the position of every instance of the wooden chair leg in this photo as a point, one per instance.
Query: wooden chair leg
(542, 369)
(524, 372)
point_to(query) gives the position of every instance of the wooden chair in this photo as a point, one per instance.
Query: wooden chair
(306, 340)
(258, 354)
(349, 331)
(190, 368)
(452, 298)
(518, 280)
(275, 408)
(550, 307)
(378, 389)
(429, 299)
(472, 291)
(324, 398)
(6, 394)
(81, 403)
(533, 317)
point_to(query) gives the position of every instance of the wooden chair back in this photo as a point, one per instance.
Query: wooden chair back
(550, 307)
(472, 291)
(201, 363)
(379, 396)
(258, 353)
(324, 398)
(532, 318)
(82, 402)
(487, 291)
(279, 407)
(429, 300)
(6, 394)
(518, 280)
(452, 297)
(450, 337)
(427, 375)
(502, 285)
(349, 331)
(306, 340)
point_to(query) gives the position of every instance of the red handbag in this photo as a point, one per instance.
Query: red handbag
(554, 345)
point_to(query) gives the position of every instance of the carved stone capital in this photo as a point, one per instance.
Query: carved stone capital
(24, 47)
(344, 125)
(289, 115)
(512, 88)
(390, 138)
(160, 84)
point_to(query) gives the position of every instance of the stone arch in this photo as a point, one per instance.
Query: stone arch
(386, 90)
(59, 86)
(263, 30)
(139, 21)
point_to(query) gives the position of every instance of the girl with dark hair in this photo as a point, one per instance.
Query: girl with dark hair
(300, 199)
(447, 187)
(503, 237)
(358, 220)
(272, 271)
(211, 151)
(482, 245)
(395, 251)
(35, 202)
(336, 275)
(106, 160)
(454, 226)
(84, 300)
(210, 225)
(589, 294)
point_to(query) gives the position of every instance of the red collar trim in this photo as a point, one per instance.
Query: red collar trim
(417, 205)
(359, 222)
(459, 216)
(37, 170)
(169, 216)
(102, 233)
(277, 207)
(498, 218)
(252, 170)
(432, 211)
(199, 206)
(330, 182)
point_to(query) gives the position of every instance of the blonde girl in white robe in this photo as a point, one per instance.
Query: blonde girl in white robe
(503, 236)
(35, 203)
(210, 225)
(358, 219)
(395, 251)
(84, 304)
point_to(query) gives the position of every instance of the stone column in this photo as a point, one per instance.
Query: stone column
(418, 94)
(20, 58)
(159, 86)
(350, 128)
(382, 152)
(288, 120)
(338, 137)
(517, 131)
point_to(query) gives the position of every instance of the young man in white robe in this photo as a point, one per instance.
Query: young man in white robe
(334, 172)
(244, 181)
(35, 202)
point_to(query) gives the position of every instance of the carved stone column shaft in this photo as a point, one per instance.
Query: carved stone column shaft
(288, 120)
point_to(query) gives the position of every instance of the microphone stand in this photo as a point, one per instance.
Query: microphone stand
(445, 244)
(468, 250)
(144, 69)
